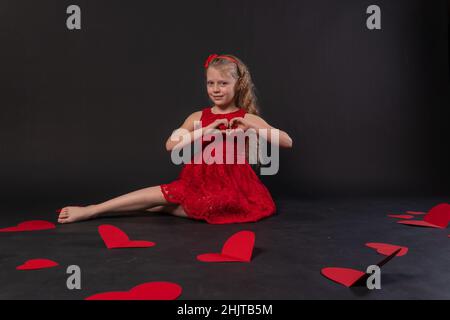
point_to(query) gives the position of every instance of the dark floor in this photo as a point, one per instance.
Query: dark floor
(291, 248)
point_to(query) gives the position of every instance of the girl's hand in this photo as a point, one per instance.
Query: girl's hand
(240, 123)
(221, 124)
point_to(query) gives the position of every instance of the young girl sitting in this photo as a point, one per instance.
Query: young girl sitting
(215, 192)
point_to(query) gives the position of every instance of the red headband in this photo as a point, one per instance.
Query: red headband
(214, 56)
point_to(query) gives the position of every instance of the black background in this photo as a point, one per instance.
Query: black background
(85, 113)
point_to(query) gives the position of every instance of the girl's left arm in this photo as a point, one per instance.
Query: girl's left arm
(255, 122)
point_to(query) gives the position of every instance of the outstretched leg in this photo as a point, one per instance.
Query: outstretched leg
(137, 200)
(174, 209)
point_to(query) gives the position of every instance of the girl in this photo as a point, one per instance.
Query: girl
(216, 193)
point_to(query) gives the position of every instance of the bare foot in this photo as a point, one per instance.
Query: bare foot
(73, 214)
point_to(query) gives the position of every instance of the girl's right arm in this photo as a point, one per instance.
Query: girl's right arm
(181, 138)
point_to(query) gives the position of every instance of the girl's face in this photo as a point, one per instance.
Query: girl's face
(221, 87)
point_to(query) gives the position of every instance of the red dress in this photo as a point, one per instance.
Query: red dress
(220, 193)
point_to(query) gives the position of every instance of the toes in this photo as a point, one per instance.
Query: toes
(64, 212)
(62, 219)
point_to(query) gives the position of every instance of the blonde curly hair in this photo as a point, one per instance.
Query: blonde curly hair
(245, 89)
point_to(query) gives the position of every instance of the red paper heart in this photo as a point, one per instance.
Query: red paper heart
(416, 212)
(349, 277)
(35, 264)
(401, 216)
(387, 249)
(31, 225)
(437, 217)
(145, 291)
(420, 223)
(344, 276)
(116, 238)
(238, 248)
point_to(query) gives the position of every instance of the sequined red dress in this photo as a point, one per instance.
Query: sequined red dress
(220, 193)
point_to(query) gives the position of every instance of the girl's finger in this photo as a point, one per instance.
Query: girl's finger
(236, 119)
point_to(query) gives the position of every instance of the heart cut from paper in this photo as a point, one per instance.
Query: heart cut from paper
(32, 225)
(35, 264)
(387, 249)
(437, 217)
(237, 248)
(114, 238)
(146, 291)
(401, 216)
(416, 212)
(344, 276)
(351, 277)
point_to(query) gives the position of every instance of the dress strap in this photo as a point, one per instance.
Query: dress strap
(205, 112)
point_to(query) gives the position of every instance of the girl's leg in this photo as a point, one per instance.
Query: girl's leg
(136, 200)
(174, 209)
(156, 209)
